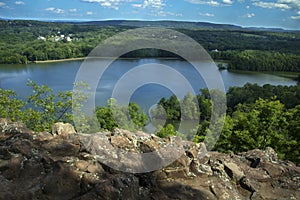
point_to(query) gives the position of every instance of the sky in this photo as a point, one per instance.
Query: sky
(246, 13)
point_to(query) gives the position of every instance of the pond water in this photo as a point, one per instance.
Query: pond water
(60, 76)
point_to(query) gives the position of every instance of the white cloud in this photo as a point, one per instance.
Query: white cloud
(228, 2)
(247, 7)
(295, 4)
(19, 3)
(115, 4)
(196, 1)
(152, 4)
(89, 13)
(2, 5)
(250, 15)
(59, 11)
(50, 9)
(162, 13)
(73, 10)
(207, 14)
(108, 3)
(137, 5)
(280, 4)
(212, 2)
(156, 4)
(55, 10)
(271, 5)
(295, 17)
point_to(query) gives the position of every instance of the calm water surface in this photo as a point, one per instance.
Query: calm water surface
(61, 76)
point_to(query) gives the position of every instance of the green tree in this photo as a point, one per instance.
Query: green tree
(255, 125)
(292, 151)
(105, 118)
(127, 117)
(10, 106)
(138, 117)
(189, 107)
(271, 120)
(166, 131)
(46, 108)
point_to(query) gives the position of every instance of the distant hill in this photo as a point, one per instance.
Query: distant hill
(267, 29)
(164, 24)
(175, 24)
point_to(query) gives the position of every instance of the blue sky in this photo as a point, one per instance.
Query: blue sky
(259, 13)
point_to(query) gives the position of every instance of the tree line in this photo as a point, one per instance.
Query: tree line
(257, 60)
(242, 49)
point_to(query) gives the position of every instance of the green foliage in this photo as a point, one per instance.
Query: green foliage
(166, 131)
(254, 60)
(249, 93)
(106, 118)
(174, 109)
(20, 44)
(129, 117)
(40, 111)
(292, 151)
(243, 49)
(190, 108)
(10, 106)
(138, 117)
(45, 108)
(255, 119)
(259, 125)
(85, 123)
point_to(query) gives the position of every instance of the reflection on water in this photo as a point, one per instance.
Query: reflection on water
(61, 76)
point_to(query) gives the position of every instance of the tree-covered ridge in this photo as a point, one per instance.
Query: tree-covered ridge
(244, 49)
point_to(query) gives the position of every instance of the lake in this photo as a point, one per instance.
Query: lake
(60, 76)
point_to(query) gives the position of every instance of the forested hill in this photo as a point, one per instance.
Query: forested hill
(164, 24)
(24, 41)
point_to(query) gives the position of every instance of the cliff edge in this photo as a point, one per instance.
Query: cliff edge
(59, 166)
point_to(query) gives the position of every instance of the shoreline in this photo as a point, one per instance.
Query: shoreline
(285, 74)
(83, 58)
(59, 60)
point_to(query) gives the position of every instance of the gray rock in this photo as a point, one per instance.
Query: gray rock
(60, 128)
(39, 166)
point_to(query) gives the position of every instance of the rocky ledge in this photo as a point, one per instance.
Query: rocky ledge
(61, 166)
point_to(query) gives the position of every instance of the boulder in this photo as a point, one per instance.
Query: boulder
(233, 171)
(60, 128)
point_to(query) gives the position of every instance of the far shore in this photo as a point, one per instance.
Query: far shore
(60, 60)
(83, 58)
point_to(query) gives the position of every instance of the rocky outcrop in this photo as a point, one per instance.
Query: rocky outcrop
(43, 166)
(60, 128)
